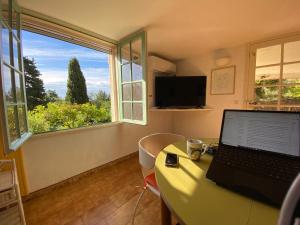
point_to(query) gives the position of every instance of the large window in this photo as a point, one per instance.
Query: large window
(275, 75)
(67, 85)
(67, 77)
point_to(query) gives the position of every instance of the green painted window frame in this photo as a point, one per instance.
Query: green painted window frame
(14, 32)
(128, 41)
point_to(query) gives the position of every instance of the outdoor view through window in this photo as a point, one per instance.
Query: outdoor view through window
(67, 85)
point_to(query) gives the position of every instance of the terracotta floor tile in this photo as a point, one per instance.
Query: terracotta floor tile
(76, 221)
(123, 214)
(99, 213)
(106, 197)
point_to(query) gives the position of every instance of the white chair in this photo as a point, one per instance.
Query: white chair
(149, 147)
(289, 213)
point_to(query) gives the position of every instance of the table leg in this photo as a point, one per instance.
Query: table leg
(165, 214)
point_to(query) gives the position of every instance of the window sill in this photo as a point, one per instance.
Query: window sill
(76, 130)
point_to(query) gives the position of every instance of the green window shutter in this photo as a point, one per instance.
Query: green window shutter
(13, 95)
(132, 72)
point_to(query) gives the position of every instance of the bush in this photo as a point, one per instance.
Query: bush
(62, 115)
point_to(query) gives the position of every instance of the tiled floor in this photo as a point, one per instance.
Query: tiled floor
(106, 197)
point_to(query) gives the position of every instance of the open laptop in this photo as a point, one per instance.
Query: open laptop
(258, 154)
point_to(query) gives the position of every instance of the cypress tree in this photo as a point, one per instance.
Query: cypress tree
(34, 85)
(76, 87)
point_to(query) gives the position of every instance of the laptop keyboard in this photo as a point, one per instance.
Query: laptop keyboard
(279, 167)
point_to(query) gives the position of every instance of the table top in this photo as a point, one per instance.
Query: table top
(194, 198)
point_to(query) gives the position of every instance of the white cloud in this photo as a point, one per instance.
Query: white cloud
(58, 53)
(54, 76)
(96, 79)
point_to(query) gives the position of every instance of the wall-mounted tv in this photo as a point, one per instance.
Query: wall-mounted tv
(177, 92)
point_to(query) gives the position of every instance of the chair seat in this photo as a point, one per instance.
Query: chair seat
(150, 180)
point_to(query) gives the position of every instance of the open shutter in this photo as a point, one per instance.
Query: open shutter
(13, 95)
(132, 79)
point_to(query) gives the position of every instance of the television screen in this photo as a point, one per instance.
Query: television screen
(186, 91)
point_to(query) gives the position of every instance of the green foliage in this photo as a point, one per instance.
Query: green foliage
(100, 99)
(34, 84)
(51, 96)
(268, 91)
(76, 86)
(63, 115)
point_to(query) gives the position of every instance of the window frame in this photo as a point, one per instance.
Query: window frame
(250, 90)
(16, 104)
(128, 40)
(54, 28)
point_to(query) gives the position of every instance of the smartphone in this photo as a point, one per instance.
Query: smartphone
(171, 160)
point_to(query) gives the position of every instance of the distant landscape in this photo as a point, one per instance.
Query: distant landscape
(62, 91)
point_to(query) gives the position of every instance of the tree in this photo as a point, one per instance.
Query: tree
(51, 96)
(100, 98)
(35, 90)
(76, 87)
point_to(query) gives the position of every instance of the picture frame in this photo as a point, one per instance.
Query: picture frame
(223, 81)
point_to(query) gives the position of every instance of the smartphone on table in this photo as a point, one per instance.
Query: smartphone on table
(171, 160)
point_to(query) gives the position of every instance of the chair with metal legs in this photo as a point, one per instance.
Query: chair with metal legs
(149, 147)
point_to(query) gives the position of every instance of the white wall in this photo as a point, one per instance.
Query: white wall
(49, 159)
(207, 123)
(55, 157)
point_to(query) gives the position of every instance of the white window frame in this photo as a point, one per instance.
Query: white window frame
(128, 41)
(250, 92)
(14, 29)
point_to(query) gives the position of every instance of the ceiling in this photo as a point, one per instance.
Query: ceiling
(179, 29)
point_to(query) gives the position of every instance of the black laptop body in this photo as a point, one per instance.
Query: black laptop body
(251, 158)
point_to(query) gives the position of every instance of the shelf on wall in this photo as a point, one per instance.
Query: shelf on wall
(207, 108)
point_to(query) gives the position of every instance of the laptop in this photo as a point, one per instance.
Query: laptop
(258, 154)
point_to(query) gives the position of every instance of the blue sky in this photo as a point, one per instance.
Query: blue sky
(52, 57)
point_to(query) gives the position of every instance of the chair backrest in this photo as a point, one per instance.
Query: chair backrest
(290, 209)
(151, 145)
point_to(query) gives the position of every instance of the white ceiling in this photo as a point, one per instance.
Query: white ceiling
(179, 28)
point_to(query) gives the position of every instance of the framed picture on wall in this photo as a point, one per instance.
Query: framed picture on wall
(222, 81)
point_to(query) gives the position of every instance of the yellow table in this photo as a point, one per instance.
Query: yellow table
(196, 200)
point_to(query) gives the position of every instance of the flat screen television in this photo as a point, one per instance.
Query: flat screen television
(180, 92)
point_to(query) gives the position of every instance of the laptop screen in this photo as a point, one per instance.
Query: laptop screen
(271, 131)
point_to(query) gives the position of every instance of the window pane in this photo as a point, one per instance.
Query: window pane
(16, 54)
(291, 51)
(137, 69)
(290, 95)
(291, 73)
(137, 113)
(12, 129)
(5, 44)
(268, 55)
(126, 92)
(125, 54)
(266, 95)
(126, 76)
(267, 75)
(7, 79)
(137, 91)
(18, 87)
(22, 120)
(127, 110)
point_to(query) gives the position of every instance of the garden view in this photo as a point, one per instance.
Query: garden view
(48, 112)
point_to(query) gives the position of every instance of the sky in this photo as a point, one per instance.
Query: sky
(52, 57)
